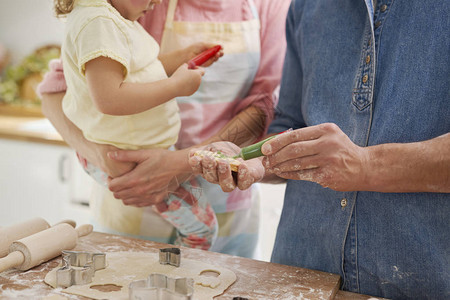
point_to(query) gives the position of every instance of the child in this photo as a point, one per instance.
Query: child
(118, 93)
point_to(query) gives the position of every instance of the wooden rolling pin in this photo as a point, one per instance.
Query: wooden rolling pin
(40, 247)
(18, 231)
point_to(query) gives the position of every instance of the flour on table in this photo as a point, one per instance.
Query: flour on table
(125, 267)
(54, 297)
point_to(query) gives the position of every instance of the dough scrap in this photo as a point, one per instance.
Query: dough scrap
(211, 282)
(124, 267)
(234, 163)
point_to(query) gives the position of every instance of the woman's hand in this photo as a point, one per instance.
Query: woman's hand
(323, 154)
(219, 171)
(197, 48)
(158, 172)
(111, 167)
(173, 60)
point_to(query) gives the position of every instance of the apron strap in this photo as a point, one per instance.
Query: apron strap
(171, 13)
(252, 5)
(173, 5)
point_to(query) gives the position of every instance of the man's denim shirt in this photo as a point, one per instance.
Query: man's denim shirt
(382, 75)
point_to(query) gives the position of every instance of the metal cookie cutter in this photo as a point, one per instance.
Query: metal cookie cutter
(170, 256)
(79, 267)
(161, 287)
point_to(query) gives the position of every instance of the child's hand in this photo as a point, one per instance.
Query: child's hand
(187, 80)
(197, 48)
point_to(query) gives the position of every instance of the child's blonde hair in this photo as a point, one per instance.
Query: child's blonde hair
(63, 7)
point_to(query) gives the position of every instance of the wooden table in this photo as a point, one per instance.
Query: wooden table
(255, 279)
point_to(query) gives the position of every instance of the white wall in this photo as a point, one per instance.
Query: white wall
(272, 196)
(26, 25)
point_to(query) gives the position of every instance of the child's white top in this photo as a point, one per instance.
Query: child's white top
(93, 29)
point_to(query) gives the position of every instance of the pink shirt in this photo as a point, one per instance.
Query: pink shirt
(272, 14)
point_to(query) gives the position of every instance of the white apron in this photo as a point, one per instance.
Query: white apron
(223, 86)
(225, 83)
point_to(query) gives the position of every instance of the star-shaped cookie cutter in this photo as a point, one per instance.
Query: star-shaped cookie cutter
(161, 287)
(170, 256)
(79, 267)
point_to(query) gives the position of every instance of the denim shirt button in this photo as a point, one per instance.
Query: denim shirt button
(383, 8)
(344, 202)
(365, 78)
(377, 24)
(367, 59)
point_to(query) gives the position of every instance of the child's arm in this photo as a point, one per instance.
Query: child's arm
(113, 96)
(172, 60)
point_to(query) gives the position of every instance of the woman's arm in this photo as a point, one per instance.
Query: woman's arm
(72, 135)
(160, 171)
(244, 129)
(113, 96)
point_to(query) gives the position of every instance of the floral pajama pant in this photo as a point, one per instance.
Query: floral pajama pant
(186, 209)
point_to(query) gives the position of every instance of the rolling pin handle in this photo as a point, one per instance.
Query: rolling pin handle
(84, 229)
(13, 259)
(70, 222)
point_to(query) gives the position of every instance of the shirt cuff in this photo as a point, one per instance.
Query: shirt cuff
(54, 81)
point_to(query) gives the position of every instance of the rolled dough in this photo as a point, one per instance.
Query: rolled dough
(125, 267)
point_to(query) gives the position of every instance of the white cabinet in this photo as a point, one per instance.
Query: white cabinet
(41, 180)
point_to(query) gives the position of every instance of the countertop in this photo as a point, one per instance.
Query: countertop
(27, 125)
(255, 279)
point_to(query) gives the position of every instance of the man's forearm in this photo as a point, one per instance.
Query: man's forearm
(410, 167)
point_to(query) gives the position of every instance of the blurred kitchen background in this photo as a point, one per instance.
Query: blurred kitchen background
(39, 173)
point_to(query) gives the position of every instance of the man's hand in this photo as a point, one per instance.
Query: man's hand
(322, 154)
